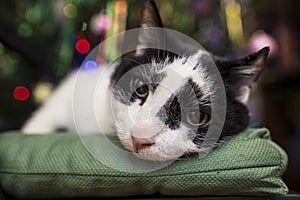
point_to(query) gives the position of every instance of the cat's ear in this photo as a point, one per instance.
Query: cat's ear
(149, 18)
(157, 37)
(239, 75)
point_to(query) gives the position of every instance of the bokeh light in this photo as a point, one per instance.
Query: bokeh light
(42, 91)
(100, 23)
(234, 23)
(120, 7)
(260, 39)
(82, 46)
(70, 10)
(25, 30)
(90, 65)
(105, 22)
(21, 93)
(34, 14)
(84, 26)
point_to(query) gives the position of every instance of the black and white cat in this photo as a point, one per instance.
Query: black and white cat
(171, 130)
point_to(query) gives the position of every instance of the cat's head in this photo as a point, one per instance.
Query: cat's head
(162, 123)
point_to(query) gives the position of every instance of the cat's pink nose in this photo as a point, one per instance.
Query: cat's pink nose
(140, 143)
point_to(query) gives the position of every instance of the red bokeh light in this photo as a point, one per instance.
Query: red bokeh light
(21, 93)
(82, 46)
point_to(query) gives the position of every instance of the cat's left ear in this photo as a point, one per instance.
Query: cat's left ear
(149, 18)
(239, 75)
(158, 38)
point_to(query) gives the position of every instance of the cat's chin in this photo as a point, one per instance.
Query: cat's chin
(153, 154)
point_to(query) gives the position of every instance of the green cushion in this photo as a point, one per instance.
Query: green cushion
(58, 165)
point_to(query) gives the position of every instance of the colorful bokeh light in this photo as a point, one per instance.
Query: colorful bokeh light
(42, 91)
(34, 14)
(120, 7)
(84, 26)
(70, 10)
(82, 46)
(260, 39)
(105, 22)
(100, 23)
(90, 65)
(25, 30)
(21, 93)
(234, 22)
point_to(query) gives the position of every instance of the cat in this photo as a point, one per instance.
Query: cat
(174, 129)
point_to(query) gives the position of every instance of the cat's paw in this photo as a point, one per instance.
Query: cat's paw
(35, 129)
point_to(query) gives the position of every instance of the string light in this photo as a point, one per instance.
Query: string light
(21, 93)
(82, 46)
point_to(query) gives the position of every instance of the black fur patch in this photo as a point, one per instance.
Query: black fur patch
(189, 96)
(124, 73)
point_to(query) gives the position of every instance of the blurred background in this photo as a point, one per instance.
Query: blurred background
(41, 41)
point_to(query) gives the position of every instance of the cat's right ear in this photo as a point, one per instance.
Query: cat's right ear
(240, 74)
(149, 18)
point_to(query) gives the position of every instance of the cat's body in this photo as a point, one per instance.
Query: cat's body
(57, 111)
(155, 101)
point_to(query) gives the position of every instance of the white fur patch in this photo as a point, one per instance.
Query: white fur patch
(57, 111)
(244, 94)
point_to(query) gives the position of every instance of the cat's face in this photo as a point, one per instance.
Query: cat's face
(162, 106)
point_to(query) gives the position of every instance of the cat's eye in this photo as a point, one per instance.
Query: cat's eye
(141, 90)
(196, 118)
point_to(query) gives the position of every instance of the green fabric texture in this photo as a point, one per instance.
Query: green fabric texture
(58, 165)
